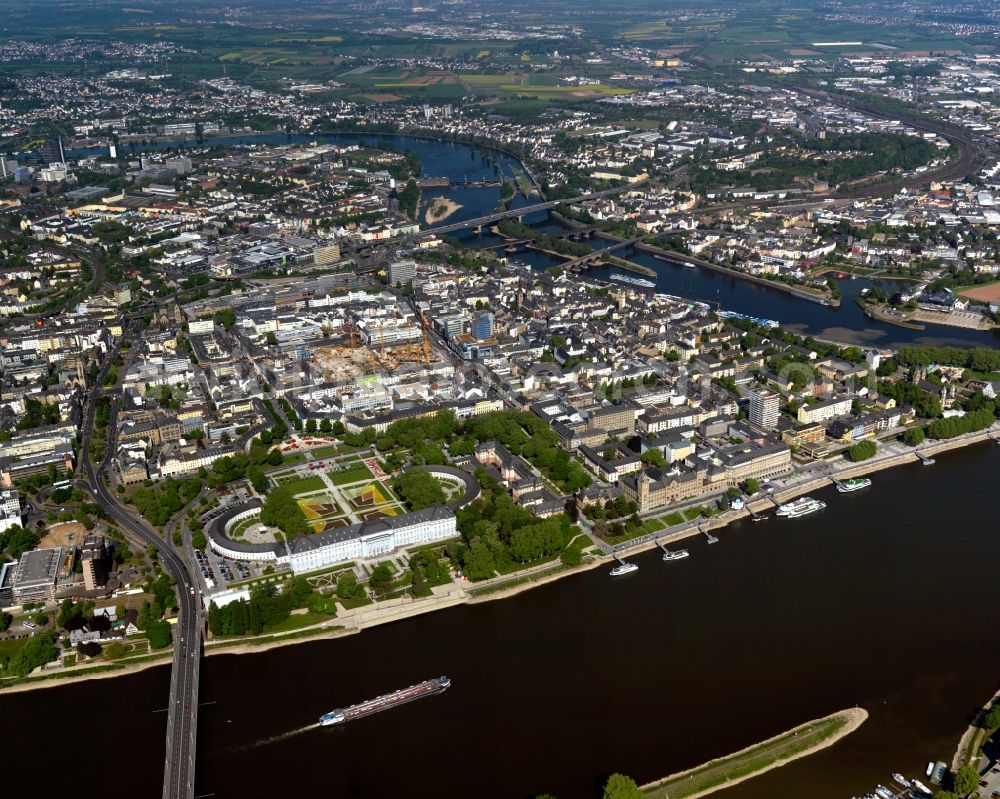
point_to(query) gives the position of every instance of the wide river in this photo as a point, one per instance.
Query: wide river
(880, 601)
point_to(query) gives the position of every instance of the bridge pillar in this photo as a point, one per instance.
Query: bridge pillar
(479, 230)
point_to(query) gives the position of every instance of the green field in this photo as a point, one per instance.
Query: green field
(323, 452)
(303, 485)
(352, 474)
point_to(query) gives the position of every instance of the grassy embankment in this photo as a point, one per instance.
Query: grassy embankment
(772, 753)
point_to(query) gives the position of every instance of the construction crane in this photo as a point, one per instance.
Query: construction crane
(352, 333)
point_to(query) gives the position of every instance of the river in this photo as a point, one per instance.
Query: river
(846, 323)
(880, 601)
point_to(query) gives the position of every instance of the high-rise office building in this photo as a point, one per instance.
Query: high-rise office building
(92, 556)
(764, 408)
(52, 152)
(482, 325)
(181, 165)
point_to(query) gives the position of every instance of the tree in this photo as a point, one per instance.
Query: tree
(862, 451)
(226, 317)
(751, 486)
(90, 648)
(15, 541)
(653, 457)
(418, 489)
(914, 436)
(992, 718)
(347, 585)
(257, 479)
(275, 458)
(479, 561)
(68, 612)
(408, 199)
(325, 426)
(115, 650)
(36, 652)
(965, 780)
(380, 581)
(282, 511)
(198, 540)
(619, 786)
(310, 425)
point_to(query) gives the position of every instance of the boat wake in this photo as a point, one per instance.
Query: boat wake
(275, 738)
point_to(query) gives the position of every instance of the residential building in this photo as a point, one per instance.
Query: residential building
(822, 411)
(402, 272)
(765, 407)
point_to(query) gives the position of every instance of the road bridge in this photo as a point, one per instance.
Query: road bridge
(517, 213)
(596, 257)
(182, 708)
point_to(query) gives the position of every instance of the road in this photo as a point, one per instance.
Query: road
(182, 709)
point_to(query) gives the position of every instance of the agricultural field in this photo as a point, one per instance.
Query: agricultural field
(541, 87)
(755, 34)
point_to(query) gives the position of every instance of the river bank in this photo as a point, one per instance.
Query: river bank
(103, 671)
(972, 740)
(805, 612)
(726, 772)
(873, 311)
(350, 622)
(795, 291)
(847, 471)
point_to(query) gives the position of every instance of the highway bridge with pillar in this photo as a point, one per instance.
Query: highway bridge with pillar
(517, 213)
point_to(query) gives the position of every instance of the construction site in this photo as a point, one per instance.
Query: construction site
(352, 356)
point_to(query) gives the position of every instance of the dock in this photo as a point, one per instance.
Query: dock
(662, 546)
(892, 790)
(708, 536)
(924, 459)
